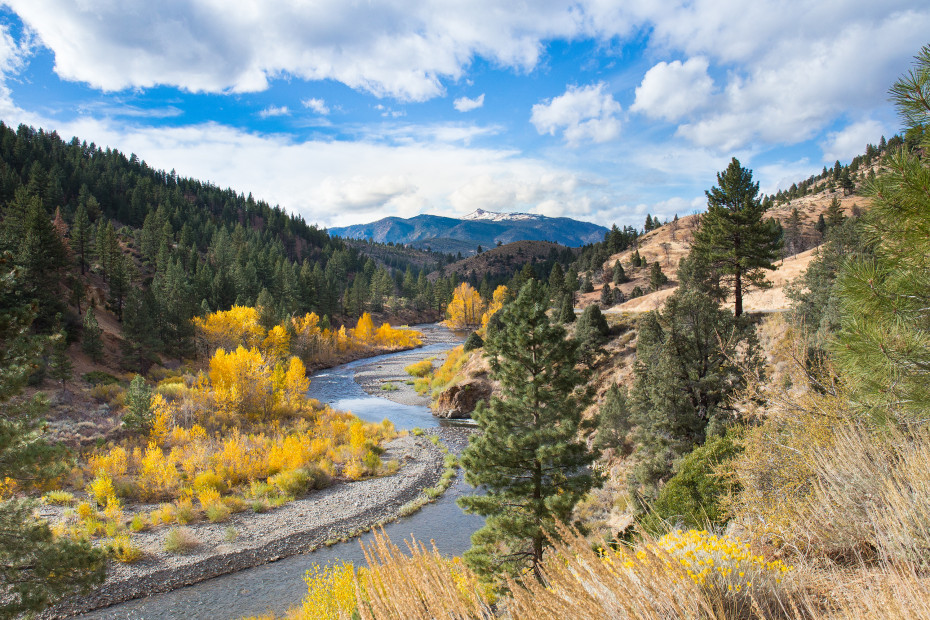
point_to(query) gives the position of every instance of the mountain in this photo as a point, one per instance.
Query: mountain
(481, 227)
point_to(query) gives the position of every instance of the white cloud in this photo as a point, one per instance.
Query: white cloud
(274, 110)
(392, 48)
(845, 144)
(586, 114)
(322, 180)
(464, 104)
(317, 105)
(785, 88)
(672, 90)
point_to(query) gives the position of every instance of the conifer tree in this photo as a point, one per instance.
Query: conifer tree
(884, 343)
(90, 336)
(733, 238)
(556, 283)
(657, 279)
(835, 215)
(60, 367)
(529, 458)
(591, 333)
(619, 275)
(567, 311)
(42, 258)
(36, 568)
(613, 421)
(607, 296)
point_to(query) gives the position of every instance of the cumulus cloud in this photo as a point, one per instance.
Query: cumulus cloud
(464, 104)
(790, 88)
(317, 105)
(398, 49)
(582, 114)
(850, 141)
(672, 90)
(321, 180)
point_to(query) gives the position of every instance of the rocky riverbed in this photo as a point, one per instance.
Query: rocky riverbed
(248, 539)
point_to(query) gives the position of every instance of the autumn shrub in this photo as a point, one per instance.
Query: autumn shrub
(180, 540)
(292, 483)
(121, 549)
(217, 513)
(58, 498)
(421, 368)
(101, 489)
(111, 393)
(138, 523)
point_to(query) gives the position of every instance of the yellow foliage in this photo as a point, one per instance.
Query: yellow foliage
(421, 368)
(115, 463)
(330, 592)
(466, 307)
(101, 489)
(241, 381)
(497, 302)
(228, 329)
(364, 331)
(277, 344)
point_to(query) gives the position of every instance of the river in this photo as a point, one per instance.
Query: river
(278, 586)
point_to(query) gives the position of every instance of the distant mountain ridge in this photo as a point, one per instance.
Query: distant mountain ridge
(480, 227)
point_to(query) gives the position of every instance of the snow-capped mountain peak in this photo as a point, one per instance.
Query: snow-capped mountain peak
(481, 214)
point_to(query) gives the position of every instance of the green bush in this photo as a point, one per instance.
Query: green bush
(98, 377)
(693, 497)
(473, 342)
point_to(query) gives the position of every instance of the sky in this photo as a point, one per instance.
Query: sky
(347, 111)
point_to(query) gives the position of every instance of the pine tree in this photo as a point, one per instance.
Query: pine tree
(567, 311)
(91, 342)
(36, 568)
(613, 421)
(556, 283)
(835, 215)
(591, 333)
(690, 358)
(619, 275)
(529, 457)
(793, 239)
(607, 296)
(138, 417)
(657, 279)
(42, 257)
(733, 238)
(60, 367)
(821, 226)
(883, 347)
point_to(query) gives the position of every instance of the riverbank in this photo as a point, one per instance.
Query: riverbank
(389, 380)
(249, 539)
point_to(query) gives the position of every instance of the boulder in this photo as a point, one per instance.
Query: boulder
(459, 401)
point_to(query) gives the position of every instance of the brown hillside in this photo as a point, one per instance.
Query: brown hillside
(672, 242)
(503, 260)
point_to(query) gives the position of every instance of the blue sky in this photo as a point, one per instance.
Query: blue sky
(348, 111)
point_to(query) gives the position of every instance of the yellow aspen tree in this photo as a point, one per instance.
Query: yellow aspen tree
(497, 302)
(228, 329)
(364, 331)
(466, 307)
(277, 344)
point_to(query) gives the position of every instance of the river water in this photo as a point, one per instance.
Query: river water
(278, 586)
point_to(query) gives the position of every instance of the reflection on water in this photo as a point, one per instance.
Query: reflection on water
(278, 586)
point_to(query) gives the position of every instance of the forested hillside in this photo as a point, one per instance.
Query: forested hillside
(91, 227)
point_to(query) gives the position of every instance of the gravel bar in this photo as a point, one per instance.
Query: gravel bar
(341, 511)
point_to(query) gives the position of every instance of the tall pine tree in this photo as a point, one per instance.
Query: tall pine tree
(733, 238)
(530, 457)
(36, 568)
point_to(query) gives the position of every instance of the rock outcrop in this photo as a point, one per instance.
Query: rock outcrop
(459, 401)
